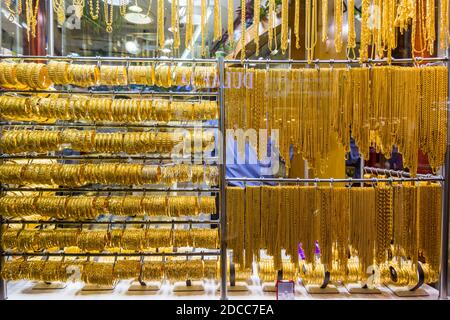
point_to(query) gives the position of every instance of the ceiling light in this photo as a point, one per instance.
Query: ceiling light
(138, 18)
(132, 47)
(117, 2)
(135, 8)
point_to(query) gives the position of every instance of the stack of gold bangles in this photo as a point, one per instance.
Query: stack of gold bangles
(105, 173)
(82, 107)
(17, 141)
(24, 75)
(26, 240)
(90, 207)
(41, 76)
(108, 273)
(113, 75)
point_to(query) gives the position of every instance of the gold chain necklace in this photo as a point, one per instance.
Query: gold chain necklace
(243, 28)
(256, 17)
(160, 14)
(217, 21)
(203, 26)
(338, 25)
(284, 25)
(94, 14)
(189, 23)
(231, 22)
(108, 11)
(175, 25)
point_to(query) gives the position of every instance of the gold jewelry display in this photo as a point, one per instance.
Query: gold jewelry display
(105, 173)
(356, 222)
(369, 106)
(104, 109)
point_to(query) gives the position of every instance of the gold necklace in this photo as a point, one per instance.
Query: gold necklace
(189, 23)
(296, 23)
(231, 22)
(160, 14)
(31, 15)
(59, 7)
(284, 25)
(365, 31)
(217, 21)
(243, 28)
(311, 28)
(95, 15)
(175, 25)
(271, 24)
(351, 25)
(325, 19)
(338, 25)
(108, 11)
(123, 7)
(256, 21)
(79, 6)
(203, 26)
(443, 26)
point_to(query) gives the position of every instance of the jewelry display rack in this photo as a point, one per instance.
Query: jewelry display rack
(214, 161)
(221, 191)
(445, 179)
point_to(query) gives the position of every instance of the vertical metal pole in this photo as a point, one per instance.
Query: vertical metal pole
(3, 291)
(50, 30)
(443, 275)
(222, 194)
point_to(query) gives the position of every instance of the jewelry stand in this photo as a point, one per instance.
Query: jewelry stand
(96, 287)
(140, 286)
(189, 286)
(356, 288)
(41, 285)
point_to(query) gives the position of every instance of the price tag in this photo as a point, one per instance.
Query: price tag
(285, 290)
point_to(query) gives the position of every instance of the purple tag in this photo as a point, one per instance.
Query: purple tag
(301, 252)
(317, 248)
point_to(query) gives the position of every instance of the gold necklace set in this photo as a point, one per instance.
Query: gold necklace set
(380, 106)
(360, 223)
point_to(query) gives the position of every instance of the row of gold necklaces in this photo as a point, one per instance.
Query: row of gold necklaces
(106, 173)
(42, 76)
(108, 273)
(18, 141)
(29, 240)
(364, 220)
(86, 108)
(379, 106)
(90, 207)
